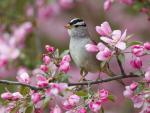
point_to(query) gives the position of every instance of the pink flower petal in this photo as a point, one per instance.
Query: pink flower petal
(106, 39)
(116, 34)
(121, 45)
(124, 35)
(91, 48)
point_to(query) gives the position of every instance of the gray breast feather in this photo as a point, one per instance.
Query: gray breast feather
(81, 57)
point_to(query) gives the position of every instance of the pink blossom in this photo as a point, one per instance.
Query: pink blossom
(104, 54)
(23, 78)
(46, 59)
(42, 81)
(74, 99)
(147, 76)
(82, 110)
(91, 48)
(44, 68)
(16, 96)
(133, 86)
(64, 66)
(147, 45)
(6, 96)
(54, 89)
(95, 106)
(63, 86)
(56, 109)
(128, 2)
(137, 50)
(49, 48)
(3, 61)
(107, 4)
(136, 63)
(103, 94)
(36, 97)
(128, 92)
(104, 29)
(67, 4)
(45, 12)
(27, 26)
(66, 58)
(138, 101)
(67, 105)
(117, 39)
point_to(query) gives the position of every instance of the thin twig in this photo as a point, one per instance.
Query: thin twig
(120, 66)
(7, 82)
(102, 81)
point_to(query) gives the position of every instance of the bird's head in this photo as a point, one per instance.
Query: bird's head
(77, 28)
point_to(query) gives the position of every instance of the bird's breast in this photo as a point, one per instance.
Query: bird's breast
(81, 57)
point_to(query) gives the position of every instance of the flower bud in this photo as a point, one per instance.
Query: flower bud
(6, 96)
(147, 45)
(137, 50)
(66, 58)
(133, 86)
(46, 59)
(103, 94)
(136, 63)
(44, 68)
(49, 48)
(36, 97)
(95, 106)
(64, 66)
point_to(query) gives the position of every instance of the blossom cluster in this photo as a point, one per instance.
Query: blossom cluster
(12, 43)
(113, 39)
(136, 4)
(139, 94)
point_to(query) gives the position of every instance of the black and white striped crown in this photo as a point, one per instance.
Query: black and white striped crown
(77, 22)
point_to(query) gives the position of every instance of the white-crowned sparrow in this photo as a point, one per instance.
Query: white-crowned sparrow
(79, 37)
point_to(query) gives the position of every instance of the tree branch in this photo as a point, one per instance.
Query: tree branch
(7, 82)
(121, 67)
(102, 81)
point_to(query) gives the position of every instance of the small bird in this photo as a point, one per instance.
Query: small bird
(79, 37)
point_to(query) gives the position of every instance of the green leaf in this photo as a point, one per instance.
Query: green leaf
(65, 52)
(129, 36)
(102, 110)
(82, 93)
(140, 88)
(102, 65)
(111, 98)
(133, 43)
(56, 53)
(121, 57)
(29, 109)
(24, 90)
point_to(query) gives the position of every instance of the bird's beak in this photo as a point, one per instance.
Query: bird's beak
(68, 26)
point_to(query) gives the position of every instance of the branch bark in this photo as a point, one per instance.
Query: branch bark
(7, 82)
